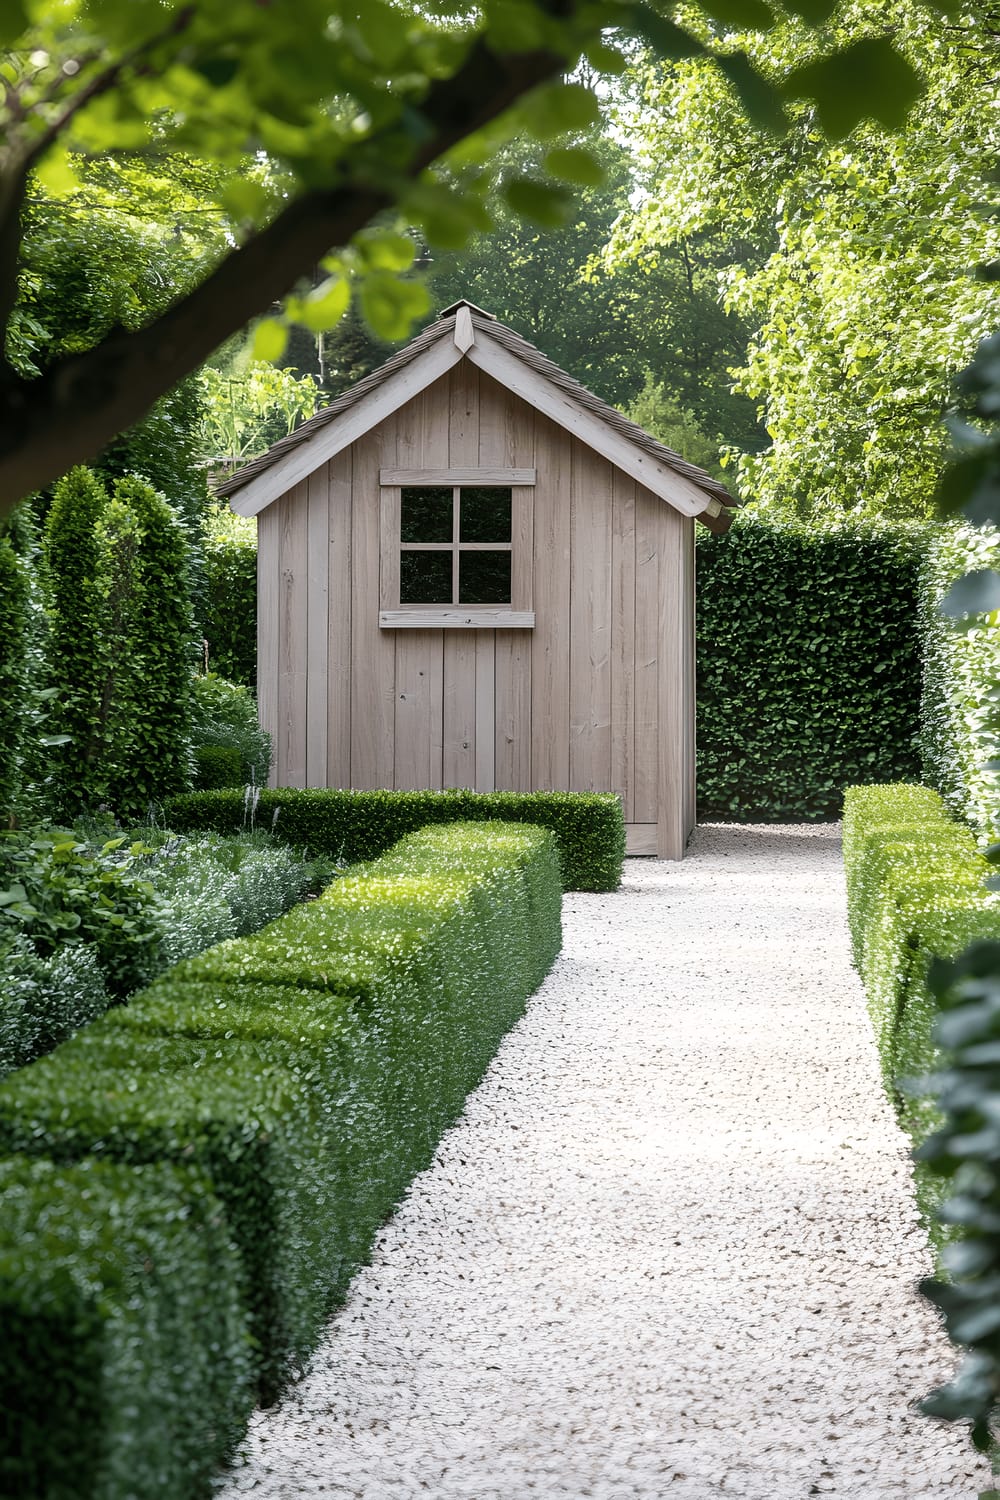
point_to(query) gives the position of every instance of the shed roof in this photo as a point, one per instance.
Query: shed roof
(464, 331)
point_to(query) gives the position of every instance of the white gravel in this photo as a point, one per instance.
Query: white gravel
(671, 1246)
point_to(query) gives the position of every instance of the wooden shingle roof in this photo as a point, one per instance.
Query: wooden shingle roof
(466, 331)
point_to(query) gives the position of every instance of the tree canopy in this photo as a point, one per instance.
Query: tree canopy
(866, 305)
(317, 117)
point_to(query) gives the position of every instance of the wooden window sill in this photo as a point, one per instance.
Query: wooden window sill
(471, 617)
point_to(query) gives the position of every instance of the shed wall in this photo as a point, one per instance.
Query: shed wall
(598, 696)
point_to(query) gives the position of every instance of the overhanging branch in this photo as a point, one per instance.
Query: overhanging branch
(67, 415)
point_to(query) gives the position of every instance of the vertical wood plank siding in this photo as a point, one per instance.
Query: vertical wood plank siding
(372, 652)
(268, 618)
(645, 683)
(550, 639)
(317, 643)
(340, 472)
(293, 637)
(599, 696)
(623, 641)
(458, 649)
(590, 624)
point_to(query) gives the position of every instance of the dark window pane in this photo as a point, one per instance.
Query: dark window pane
(484, 578)
(485, 515)
(427, 514)
(425, 578)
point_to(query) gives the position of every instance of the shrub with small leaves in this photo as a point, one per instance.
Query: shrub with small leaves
(960, 705)
(916, 890)
(808, 667)
(13, 675)
(230, 623)
(44, 1000)
(302, 1075)
(127, 1361)
(224, 717)
(964, 1154)
(589, 827)
(146, 595)
(76, 655)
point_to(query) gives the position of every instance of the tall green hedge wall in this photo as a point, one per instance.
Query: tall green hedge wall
(960, 708)
(808, 668)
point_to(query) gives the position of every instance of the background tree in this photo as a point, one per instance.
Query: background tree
(13, 685)
(351, 106)
(75, 648)
(864, 309)
(657, 315)
(147, 645)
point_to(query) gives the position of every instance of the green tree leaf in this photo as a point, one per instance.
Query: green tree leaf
(544, 203)
(575, 164)
(866, 80)
(269, 340)
(391, 306)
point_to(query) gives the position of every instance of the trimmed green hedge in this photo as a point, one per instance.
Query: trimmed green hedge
(217, 766)
(960, 705)
(915, 891)
(589, 827)
(303, 1075)
(808, 667)
(126, 1359)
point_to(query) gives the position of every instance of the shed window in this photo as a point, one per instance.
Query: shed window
(456, 548)
(455, 544)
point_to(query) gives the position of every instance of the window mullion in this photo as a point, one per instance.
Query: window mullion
(456, 521)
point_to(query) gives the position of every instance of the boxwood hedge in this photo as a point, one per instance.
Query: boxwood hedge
(915, 892)
(589, 827)
(808, 667)
(299, 1077)
(126, 1365)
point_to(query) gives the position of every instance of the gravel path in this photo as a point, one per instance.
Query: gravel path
(670, 1247)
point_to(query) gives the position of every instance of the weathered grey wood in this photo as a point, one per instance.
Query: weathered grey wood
(485, 711)
(690, 712)
(459, 750)
(462, 617)
(317, 642)
(550, 645)
(268, 594)
(389, 512)
(647, 651)
(469, 476)
(585, 682)
(507, 437)
(418, 711)
(463, 433)
(640, 839)
(339, 487)
(623, 640)
(541, 395)
(372, 652)
(459, 645)
(292, 637)
(337, 435)
(465, 333)
(673, 687)
(590, 629)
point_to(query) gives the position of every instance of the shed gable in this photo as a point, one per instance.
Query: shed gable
(466, 335)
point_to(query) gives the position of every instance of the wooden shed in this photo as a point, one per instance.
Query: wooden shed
(474, 573)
